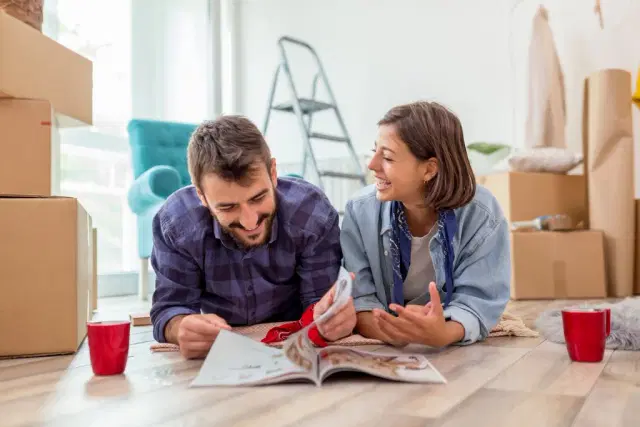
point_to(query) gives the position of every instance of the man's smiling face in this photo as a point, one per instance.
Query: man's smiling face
(245, 209)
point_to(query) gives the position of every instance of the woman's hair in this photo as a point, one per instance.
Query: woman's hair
(431, 130)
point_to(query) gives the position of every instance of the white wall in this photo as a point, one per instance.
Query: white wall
(171, 54)
(583, 48)
(466, 54)
(378, 54)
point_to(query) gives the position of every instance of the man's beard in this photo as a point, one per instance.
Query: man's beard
(268, 222)
(267, 218)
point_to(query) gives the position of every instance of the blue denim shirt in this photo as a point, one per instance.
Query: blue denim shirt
(482, 262)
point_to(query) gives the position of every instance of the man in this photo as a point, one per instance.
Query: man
(241, 246)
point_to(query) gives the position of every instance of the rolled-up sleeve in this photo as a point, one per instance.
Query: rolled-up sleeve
(178, 279)
(482, 284)
(355, 261)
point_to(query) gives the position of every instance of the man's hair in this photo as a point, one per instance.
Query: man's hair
(431, 130)
(231, 147)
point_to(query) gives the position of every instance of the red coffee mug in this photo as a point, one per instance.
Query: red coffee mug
(108, 346)
(585, 333)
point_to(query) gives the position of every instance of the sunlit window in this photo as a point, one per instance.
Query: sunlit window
(164, 44)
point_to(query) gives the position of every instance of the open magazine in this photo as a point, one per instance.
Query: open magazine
(237, 360)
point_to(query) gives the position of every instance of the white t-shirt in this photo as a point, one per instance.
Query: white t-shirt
(421, 271)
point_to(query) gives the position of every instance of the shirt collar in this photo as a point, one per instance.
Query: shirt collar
(385, 221)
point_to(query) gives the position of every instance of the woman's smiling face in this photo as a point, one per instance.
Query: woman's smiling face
(399, 174)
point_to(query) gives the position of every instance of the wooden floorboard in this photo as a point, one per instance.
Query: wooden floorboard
(547, 369)
(614, 400)
(503, 381)
(499, 408)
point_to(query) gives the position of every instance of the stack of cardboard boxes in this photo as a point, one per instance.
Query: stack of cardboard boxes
(550, 264)
(47, 242)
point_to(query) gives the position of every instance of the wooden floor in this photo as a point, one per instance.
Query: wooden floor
(503, 382)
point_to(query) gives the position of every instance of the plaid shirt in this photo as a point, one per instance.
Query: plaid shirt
(199, 268)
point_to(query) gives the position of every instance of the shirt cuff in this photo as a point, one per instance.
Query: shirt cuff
(469, 322)
(367, 303)
(161, 320)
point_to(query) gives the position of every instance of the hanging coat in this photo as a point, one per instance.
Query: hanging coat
(546, 115)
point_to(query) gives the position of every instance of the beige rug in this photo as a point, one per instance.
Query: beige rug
(509, 325)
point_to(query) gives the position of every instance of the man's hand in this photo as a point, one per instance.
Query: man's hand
(420, 324)
(343, 321)
(195, 333)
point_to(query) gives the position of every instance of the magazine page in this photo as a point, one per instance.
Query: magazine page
(393, 366)
(300, 351)
(236, 360)
(298, 347)
(344, 288)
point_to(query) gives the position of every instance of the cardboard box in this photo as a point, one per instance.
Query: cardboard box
(34, 66)
(29, 148)
(549, 265)
(45, 275)
(525, 196)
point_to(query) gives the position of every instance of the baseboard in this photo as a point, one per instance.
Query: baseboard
(122, 284)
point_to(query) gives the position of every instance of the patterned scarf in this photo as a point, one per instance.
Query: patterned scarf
(401, 249)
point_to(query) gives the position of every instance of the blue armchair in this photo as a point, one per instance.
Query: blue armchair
(159, 156)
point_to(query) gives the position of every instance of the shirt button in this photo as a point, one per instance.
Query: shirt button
(386, 253)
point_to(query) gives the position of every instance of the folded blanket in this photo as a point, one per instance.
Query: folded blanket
(509, 325)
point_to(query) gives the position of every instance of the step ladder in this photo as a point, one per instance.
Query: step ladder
(305, 108)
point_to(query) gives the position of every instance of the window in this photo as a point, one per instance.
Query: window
(95, 166)
(151, 59)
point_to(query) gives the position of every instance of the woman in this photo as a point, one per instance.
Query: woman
(429, 248)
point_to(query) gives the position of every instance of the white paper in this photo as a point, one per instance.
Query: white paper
(235, 359)
(344, 289)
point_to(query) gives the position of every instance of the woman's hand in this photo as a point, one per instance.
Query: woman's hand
(368, 327)
(420, 324)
